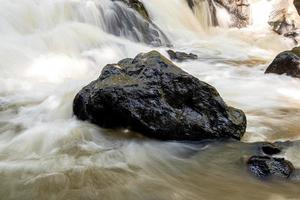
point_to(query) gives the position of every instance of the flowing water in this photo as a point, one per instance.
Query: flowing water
(50, 49)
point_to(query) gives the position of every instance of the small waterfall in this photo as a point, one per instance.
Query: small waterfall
(209, 13)
(222, 16)
(120, 20)
(204, 13)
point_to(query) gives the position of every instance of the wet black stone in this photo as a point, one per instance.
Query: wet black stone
(286, 63)
(181, 56)
(270, 149)
(150, 95)
(266, 167)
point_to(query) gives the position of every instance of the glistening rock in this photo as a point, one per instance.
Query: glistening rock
(150, 95)
(266, 166)
(287, 62)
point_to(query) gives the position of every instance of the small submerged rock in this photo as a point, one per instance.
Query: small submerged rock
(263, 163)
(266, 166)
(287, 63)
(181, 56)
(270, 149)
(150, 95)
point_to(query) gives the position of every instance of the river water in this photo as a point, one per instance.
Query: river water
(50, 49)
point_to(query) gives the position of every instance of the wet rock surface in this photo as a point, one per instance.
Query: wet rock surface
(150, 95)
(297, 5)
(286, 63)
(265, 160)
(270, 149)
(266, 166)
(137, 6)
(181, 56)
(132, 21)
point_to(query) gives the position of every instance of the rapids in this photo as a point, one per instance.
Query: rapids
(50, 49)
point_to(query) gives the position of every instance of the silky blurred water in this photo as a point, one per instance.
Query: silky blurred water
(50, 49)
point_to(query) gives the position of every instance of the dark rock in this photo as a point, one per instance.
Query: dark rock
(291, 34)
(265, 167)
(133, 22)
(270, 149)
(286, 63)
(150, 95)
(297, 5)
(137, 6)
(191, 3)
(181, 56)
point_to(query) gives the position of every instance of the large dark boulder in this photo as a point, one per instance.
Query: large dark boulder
(266, 167)
(150, 95)
(286, 63)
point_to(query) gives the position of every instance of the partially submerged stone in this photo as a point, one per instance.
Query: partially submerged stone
(270, 149)
(150, 95)
(181, 56)
(266, 167)
(286, 63)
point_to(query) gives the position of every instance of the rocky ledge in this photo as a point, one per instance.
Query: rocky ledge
(152, 96)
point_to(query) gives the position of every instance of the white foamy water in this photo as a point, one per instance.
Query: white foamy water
(50, 49)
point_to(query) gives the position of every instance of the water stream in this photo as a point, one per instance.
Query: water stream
(50, 49)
